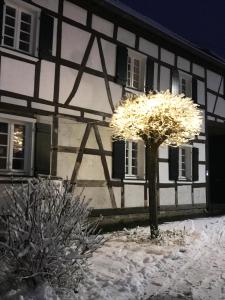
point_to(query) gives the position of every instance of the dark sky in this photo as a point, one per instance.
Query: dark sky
(199, 21)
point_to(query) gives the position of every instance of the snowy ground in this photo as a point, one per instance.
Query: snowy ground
(187, 262)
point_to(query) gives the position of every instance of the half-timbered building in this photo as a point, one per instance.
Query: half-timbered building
(64, 66)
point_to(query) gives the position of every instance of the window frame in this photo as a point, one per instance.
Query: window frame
(188, 84)
(34, 12)
(132, 56)
(28, 145)
(185, 163)
(129, 166)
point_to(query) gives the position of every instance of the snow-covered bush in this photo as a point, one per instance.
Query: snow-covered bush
(47, 236)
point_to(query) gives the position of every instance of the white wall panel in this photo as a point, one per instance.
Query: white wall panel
(75, 12)
(70, 132)
(94, 61)
(126, 37)
(109, 51)
(14, 101)
(67, 80)
(49, 4)
(184, 194)
(17, 76)
(220, 107)
(211, 99)
(134, 195)
(183, 64)
(91, 168)
(42, 106)
(163, 152)
(148, 48)
(155, 83)
(167, 57)
(47, 78)
(201, 92)
(92, 94)
(74, 43)
(200, 195)
(202, 173)
(198, 70)
(116, 92)
(213, 81)
(99, 196)
(164, 78)
(166, 196)
(102, 25)
(164, 172)
(201, 148)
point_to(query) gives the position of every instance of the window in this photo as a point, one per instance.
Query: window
(185, 84)
(131, 158)
(15, 146)
(135, 70)
(19, 27)
(185, 163)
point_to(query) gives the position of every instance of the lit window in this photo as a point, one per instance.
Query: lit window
(135, 70)
(185, 84)
(15, 146)
(185, 159)
(19, 27)
(131, 158)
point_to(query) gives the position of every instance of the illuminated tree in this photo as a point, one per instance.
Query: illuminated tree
(156, 118)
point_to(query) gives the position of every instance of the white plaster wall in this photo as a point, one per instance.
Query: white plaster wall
(74, 43)
(203, 121)
(213, 81)
(17, 76)
(116, 92)
(70, 132)
(102, 25)
(91, 168)
(198, 70)
(202, 173)
(134, 195)
(166, 196)
(94, 61)
(164, 172)
(99, 196)
(109, 51)
(163, 152)
(183, 64)
(220, 107)
(201, 92)
(75, 12)
(164, 78)
(200, 195)
(117, 194)
(126, 37)
(201, 148)
(65, 164)
(67, 80)
(167, 56)
(148, 48)
(70, 112)
(106, 136)
(42, 106)
(49, 4)
(155, 77)
(93, 116)
(47, 78)
(184, 194)
(91, 142)
(14, 101)
(210, 102)
(92, 94)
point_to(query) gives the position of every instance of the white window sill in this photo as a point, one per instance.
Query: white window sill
(19, 54)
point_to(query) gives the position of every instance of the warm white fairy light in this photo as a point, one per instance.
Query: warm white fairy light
(161, 117)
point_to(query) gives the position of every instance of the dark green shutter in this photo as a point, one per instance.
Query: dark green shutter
(1, 19)
(194, 90)
(173, 163)
(195, 155)
(46, 35)
(175, 82)
(149, 84)
(121, 65)
(42, 149)
(118, 159)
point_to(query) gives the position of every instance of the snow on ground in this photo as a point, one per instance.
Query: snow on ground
(187, 262)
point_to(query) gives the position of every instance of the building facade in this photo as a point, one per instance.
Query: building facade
(64, 66)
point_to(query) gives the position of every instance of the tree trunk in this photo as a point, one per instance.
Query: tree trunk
(152, 165)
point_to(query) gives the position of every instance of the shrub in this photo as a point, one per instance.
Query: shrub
(47, 235)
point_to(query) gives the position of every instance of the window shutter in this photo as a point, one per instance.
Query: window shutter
(121, 65)
(195, 155)
(42, 149)
(46, 35)
(175, 82)
(149, 84)
(173, 163)
(118, 159)
(194, 90)
(1, 19)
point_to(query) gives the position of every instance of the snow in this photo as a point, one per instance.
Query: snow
(186, 262)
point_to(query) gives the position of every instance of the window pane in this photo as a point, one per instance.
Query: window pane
(18, 164)
(8, 41)
(25, 17)
(3, 139)
(9, 31)
(10, 21)
(3, 151)
(24, 46)
(3, 127)
(24, 37)
(2, 163)
(10, 11)
(18, 141)
(25, 27)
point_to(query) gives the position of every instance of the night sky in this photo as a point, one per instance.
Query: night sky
(199, 21)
